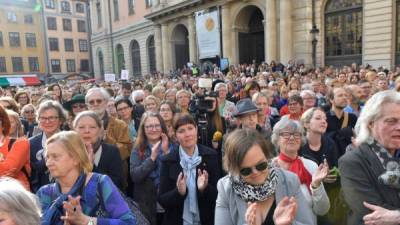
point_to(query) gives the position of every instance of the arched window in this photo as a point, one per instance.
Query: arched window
(120, 59)
(101, 63)
(398, 33)
(343, 32)
(136, 64)
(152, 54)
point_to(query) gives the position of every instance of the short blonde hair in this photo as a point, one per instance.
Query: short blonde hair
(75, 148)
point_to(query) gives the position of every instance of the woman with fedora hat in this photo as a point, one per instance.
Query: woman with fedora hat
(74, 106)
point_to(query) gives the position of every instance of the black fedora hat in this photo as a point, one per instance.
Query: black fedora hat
(78, 98)
(245, 106)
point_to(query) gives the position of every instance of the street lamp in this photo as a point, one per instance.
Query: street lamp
(314, 31)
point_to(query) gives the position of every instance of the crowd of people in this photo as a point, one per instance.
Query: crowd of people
(263, 144)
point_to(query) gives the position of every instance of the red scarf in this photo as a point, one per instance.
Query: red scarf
(297, 167)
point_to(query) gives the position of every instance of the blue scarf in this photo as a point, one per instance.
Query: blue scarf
(155, 173)
(191, 213)
(52, 215)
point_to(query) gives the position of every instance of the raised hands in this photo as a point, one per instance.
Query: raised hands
(181, 184)
(320, 174)
(381, 216)
(202, 180)
(285, 211)
(165, 143)
(89, 148)
(253, 215)
(155, 151)
(73, 211)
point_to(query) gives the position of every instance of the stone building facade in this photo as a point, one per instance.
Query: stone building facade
(345, 31)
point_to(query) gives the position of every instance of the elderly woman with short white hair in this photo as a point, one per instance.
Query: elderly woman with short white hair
(226, 108)
(18, 206)
(288, 136)
(370, 174)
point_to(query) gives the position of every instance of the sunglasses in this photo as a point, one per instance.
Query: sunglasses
(82, 106)
(248, 170)
(139, 100)
(97, 101)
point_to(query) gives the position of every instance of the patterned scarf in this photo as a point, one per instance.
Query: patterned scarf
(52, 215)
(297, 167)
(189, 164)
(391, 177)
(252, 193)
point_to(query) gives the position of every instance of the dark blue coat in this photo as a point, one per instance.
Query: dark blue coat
(169, 196)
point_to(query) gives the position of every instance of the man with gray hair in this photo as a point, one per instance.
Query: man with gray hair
(137, 99)
(370, 174)
(116, 131)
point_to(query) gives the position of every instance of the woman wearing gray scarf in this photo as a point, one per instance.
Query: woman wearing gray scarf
(370, 174)
(188, 178)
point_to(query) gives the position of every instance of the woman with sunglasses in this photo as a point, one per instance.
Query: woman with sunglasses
(287, 137)
(151, 144)
(188, 178)
(254, 192)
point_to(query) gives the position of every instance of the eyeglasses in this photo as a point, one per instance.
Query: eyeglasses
(81, 105)
(48, 119)
(165, 110)
(97, 101)
(29, 111)
(248, 170)
(123, 108)
(287, 135)
(153, 127)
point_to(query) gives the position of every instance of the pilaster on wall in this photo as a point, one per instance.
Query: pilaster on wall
(378, 32)
(271, 31)
(286, 31)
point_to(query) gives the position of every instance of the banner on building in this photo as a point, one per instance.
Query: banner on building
(208, 34)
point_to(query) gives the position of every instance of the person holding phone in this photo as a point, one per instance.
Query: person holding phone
(152, 143)
(188, 178)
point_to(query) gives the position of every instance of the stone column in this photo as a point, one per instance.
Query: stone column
(163, 3)
(157, 43)
(270, 31)
(156, 3)
(286, 30)
(192, 39)
(227, 33)
(165, 48)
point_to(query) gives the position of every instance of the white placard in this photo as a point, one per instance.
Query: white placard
(208, 34)
(124, 75)
(205, 83)
(109, 77)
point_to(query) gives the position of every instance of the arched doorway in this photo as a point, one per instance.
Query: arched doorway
(136, 61)
(101, 63)
(120, 59)
(343, 32)
(251, 35)
(151, 54)
(180, 46)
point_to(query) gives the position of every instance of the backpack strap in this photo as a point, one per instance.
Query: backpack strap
(10, 145)
(345, 120)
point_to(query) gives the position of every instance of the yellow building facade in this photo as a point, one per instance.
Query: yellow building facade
(21, 41)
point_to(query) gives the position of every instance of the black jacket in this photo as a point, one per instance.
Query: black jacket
(360, 169)
(110, 164)
(39, 174)
(169, 196)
